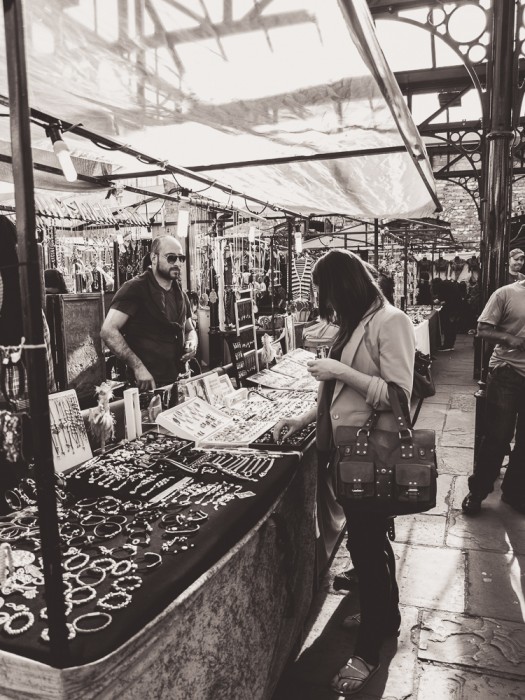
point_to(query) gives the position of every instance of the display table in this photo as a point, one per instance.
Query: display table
(227, 635)
(428, 334)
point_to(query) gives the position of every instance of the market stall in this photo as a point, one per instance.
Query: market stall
(159, 537)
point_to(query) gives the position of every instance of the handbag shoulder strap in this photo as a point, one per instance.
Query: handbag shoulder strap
(400, 409)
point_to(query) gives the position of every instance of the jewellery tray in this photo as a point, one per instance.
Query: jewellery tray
(197, 420)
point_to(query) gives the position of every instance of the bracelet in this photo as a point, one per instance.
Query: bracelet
(141, 542)
(91, 571)
(122, 568)
(86, 503)
(25, 614)
(71, 632)
(105, 617)
(117, 519)
(108, 602)
(119, 553)
(105, 563)
(154, 558)
(91, 593)
(112, 530)
(84, 558)
(92, 519)
(127, 583)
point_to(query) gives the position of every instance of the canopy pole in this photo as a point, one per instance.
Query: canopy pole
(498, 187)
(291, 223)
(34, 358)
(376, 242)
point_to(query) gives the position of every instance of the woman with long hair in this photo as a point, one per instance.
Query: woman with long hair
(375, 345)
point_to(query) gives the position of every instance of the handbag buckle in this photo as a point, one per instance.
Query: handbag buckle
(405, 434)
(413, 492)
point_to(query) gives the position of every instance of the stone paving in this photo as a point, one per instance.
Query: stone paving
(462, 582)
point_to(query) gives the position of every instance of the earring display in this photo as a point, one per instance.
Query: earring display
(68, 432)
(290, 369)
(277, 380)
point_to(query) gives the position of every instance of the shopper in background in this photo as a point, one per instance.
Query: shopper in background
(149, 324)
(516, 260)
(55, 282)
(502, 321)
(351, 385)
(449, 293)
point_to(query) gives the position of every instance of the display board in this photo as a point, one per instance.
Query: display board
(74, 322)
(68, 432)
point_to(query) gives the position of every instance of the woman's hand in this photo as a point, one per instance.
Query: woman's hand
(286, 427)
(324, 370)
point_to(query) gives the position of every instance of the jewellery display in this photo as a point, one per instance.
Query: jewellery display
(114, 600)
(100, 620)
(68, 432)
(112, 537)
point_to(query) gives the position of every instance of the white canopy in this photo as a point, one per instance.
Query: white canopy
(266, 80)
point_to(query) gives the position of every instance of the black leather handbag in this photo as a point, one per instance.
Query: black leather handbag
(386, 472)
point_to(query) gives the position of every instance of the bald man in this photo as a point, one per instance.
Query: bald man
(149, 323)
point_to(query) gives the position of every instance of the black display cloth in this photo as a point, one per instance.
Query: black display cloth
(216, 536)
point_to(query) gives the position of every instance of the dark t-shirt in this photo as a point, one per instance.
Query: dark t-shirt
(155, 329)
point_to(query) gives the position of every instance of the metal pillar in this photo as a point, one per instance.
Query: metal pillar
(215, 334)
(498, 182)
(35, 355)
(291, 226)
(376, 242)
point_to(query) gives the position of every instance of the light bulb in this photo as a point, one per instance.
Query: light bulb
(64, 158)
(183, 222)
(251, 234)
(54, 131)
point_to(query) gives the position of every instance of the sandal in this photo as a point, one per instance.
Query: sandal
(353, 677)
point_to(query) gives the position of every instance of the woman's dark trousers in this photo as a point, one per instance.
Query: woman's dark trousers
(375, 566)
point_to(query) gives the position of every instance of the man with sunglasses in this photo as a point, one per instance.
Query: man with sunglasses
(149, 324)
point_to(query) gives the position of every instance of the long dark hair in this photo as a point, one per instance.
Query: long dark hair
(347, 290)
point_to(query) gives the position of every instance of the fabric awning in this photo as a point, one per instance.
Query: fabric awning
(274, 79)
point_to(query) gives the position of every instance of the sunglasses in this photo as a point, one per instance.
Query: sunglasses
(172, 258)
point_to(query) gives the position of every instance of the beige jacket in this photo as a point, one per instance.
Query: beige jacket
(386, 335)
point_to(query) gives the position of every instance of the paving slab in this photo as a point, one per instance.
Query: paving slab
(495, 585)
(480, 643)
(459, 429)
(455, 460)
(421, 529)
(497, 528)
(442, 683)
(431, 577)
(463, 402)
(340, 563)
(444, 494)
(326, 650)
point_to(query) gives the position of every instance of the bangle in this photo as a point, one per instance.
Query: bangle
(105, 619)
(117, 519)
(24, 614)
(71, 632)
(92, 519)
(86, 503)
(122, 568)
(109, 601)
(106, 531)
(127, 583)
(84, 558)
(72, 595)
(91, 572)
(154, 561)
(105, 563)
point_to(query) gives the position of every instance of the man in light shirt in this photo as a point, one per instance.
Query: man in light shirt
(502, 321)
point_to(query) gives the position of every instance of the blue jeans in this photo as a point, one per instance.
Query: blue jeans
(504, 416)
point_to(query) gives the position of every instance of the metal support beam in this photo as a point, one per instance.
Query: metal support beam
(498, 182)
(35, 355)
